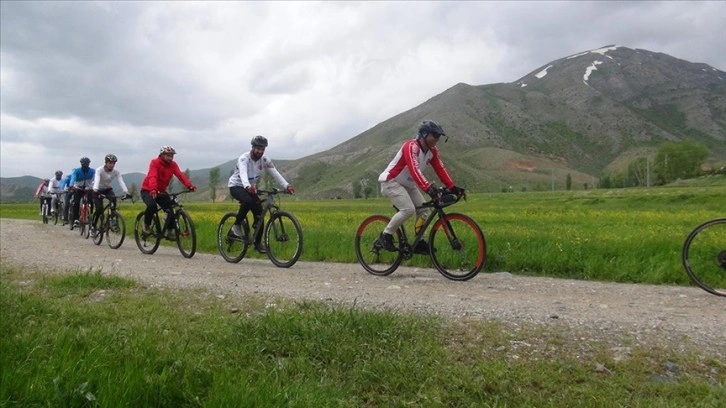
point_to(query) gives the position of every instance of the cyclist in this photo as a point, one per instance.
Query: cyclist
(55, 190)
(161, 169)
(102, 185)
(242, 184)
(65, 185)
(42, 193)
(81, 178)
(399, 181)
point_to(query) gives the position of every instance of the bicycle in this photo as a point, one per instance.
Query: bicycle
(178, 227)
(705, 250)
(282, 234)
(110, 223)
(85, 213)
(457, 246)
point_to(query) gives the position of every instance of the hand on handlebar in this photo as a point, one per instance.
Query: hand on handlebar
(192, 188)
(433, 192)
(153, 194)
(251, 190)
(458, 191)
(290, 189)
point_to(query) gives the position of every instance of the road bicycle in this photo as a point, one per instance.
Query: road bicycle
(456, 243)
(110, 223)
(282, 234)
(704, 256)
(177, 226)
(45, 209)
(85, 212)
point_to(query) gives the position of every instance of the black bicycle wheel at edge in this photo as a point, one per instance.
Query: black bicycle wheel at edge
(148, 244)
(186, 234)
(115, 230)
(371, 256)
(458, 247)
(231, 247)
(704, 256)
(56, 215)
(284, 239)
(97, 234)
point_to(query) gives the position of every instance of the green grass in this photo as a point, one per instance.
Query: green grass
(90, 340)
(625, 235)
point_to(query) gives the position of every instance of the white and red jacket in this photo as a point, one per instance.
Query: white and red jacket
(408, 164)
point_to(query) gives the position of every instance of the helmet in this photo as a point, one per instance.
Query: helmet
(167, 150)
(46, 181)
(259, 141)
(429, 126)
(111, 158)
(85, 161)
(58, 173)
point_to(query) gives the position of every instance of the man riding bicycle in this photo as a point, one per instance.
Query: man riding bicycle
(161, 169)
(55, 190)
(81, 179)
(399, 181)
(243, 185)
(102, 185)
(41, 193)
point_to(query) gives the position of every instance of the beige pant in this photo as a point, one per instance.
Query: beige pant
(406, 200)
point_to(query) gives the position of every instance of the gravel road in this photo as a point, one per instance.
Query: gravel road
(669, 315)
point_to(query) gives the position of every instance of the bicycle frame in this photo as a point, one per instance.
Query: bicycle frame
(435, 214)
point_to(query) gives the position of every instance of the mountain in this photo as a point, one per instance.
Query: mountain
(580, 115)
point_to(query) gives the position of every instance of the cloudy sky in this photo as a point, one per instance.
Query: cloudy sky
(90, 78)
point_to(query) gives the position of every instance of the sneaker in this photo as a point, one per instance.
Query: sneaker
(260, 248)
(237, 231)
(146, 230)
(386, 241)
(76, 223)
(422, 248)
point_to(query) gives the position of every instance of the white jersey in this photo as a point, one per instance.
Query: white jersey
(248, 172)
(102, 179)
(54, 186)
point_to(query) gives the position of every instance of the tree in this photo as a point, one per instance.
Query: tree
(213, 181)
(568, 182)
(679, 161)
(357, 187)
(638, 172)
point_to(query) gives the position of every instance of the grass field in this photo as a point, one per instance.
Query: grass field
(625, 235)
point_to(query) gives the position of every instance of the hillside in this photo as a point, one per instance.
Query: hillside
(579, 115)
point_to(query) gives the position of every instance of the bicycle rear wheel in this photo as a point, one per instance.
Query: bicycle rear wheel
(147, 243)
(231, 247)
(284, 239)
(98, 229)
(704, 256)
(115, 230)
(458, 247)
(371, 255)
(186, 235)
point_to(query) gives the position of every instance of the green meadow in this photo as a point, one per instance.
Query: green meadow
(622, 235)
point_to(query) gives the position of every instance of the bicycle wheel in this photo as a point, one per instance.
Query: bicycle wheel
(186, 235)
(44, 211)
(231, 247)
(458, 247)
(98, 229)
(704, 256)
(284, 239)
(85, 229)
(56, 215)
(115, 230)
(371, 255)
(147, 243)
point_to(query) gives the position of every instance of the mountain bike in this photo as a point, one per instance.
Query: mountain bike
(457, 246)
(177, 226)
(85, 212)
(704, 256)
(282, 234)
(110, 223)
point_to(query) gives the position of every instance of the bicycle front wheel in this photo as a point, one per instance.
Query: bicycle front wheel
(704, 256)
(186, 235)
(284, 239)
(115, 230)
(44, 211)
(371, 254)
(147, 243)
(55, 215)
(458, 247)
(85, 229)
(231, 247)
(98, 227)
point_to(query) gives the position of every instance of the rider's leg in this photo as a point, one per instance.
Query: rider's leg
(151, 208)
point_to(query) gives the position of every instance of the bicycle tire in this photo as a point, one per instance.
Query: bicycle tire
(99, 229)
(44, 212)
(148, 244)
(232, 248)
(704, 250)
(284, 239)
(186, 234)
(457, 247)
(115, 230)
(371, 256)
(55, 215)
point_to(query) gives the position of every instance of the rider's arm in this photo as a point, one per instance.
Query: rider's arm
(242, 165)
(121, 182)
(96, 180)
(181, 176)
(410, 152)
(440, 169)
(276, 174)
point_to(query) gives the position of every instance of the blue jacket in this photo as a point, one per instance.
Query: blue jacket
(82, 179)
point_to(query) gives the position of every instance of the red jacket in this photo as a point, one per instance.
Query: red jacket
(160, 173)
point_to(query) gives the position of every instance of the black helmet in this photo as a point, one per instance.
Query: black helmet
(259, 141)
(85, 161)
(111, 158)
(58, 173)
(429, 126)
